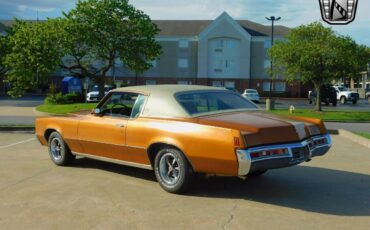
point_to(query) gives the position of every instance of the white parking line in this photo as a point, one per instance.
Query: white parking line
(17, 143)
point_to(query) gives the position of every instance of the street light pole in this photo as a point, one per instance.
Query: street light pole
(272, 19)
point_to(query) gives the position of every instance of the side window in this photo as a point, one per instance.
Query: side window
(119, 104)
(138, 107)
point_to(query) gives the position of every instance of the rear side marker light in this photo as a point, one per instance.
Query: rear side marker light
(236, 142)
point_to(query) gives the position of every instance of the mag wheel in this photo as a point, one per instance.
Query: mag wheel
(59, 152)
(172, 170)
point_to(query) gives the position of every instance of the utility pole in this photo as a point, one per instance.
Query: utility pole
(270, 102)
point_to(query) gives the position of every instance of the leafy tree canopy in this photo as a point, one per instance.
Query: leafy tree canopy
(99, 31)
(91, 36)
(33, 54)
(314, 53)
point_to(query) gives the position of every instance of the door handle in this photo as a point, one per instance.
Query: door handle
(120, 125)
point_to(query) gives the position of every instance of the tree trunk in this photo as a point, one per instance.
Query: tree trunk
(136, 77)
(101, 86)
(318, 97)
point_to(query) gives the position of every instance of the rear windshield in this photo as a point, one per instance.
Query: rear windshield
(212, 102)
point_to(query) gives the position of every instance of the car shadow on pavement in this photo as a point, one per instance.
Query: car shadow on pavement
(312, 189)
(114, 168)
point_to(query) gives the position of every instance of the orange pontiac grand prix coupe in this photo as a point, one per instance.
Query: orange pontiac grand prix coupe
(179, 130)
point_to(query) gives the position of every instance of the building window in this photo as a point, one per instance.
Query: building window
(267, 63)
(150, 82)
(217, 83)
(183, 43)
(267, 44)
(220, 43)
(230, 84)
(183, 63)
(184, 82)
(280, 87)
(154, 63)
(266, 86)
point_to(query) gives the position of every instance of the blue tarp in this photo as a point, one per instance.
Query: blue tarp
(71, 85)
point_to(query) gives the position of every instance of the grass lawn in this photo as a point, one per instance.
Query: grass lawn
(364, 134)
(64, 109)
(328, 115)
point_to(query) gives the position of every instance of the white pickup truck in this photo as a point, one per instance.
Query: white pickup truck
(344, 95)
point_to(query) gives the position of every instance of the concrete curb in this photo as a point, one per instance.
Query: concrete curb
(354, 137)
(41, 114)
(16, 129)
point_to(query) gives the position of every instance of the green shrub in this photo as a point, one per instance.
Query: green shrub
(59, 98)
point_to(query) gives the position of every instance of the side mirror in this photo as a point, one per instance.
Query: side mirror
(97, 111)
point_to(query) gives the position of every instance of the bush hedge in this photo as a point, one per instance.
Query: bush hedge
(59, 98)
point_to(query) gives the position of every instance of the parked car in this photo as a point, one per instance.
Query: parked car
(179, 130)
(252, 95)
(93, 95)
(344, 95)
(328, 95)
(368, 96)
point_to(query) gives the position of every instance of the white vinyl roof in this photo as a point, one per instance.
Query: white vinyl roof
(161, 100)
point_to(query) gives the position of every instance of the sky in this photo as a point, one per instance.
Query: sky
(293, 12)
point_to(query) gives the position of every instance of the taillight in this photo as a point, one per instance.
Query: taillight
(266, 153)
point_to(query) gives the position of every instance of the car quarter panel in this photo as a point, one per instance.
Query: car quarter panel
(66, 126)
(209, 149)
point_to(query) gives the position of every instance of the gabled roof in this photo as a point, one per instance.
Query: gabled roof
(195, 27)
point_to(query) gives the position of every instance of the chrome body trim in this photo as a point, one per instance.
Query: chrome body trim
(245, 163)
(116, 161)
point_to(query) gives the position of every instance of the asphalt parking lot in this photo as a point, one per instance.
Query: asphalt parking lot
(331, 192)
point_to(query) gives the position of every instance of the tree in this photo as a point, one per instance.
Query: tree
(314, 53)
(33, 54)
(4, 49)
(100, 31)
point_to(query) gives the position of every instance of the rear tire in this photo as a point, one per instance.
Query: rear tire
(172, 170)
(59, 152)
(354, 102)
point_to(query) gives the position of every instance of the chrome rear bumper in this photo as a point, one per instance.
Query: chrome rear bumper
(298, 152)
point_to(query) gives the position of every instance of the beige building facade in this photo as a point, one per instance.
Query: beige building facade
(223, 52)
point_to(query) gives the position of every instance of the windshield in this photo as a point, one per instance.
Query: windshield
(205, 102)
(341, 88)
(251, 91)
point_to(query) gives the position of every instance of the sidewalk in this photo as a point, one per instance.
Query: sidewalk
(352, 127)
(19, 111)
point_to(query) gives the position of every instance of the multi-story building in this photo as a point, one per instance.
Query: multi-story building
(221, 52)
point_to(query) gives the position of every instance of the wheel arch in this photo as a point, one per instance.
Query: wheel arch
(49, 131)
(153, 149)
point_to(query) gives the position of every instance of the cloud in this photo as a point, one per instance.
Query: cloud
(26, 9)
(293, 12)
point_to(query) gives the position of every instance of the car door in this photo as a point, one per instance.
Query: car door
(103, 134)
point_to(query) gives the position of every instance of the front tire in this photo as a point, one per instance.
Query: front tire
(343, 100)
(172, 170)
(354, 102)
(59, 152)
